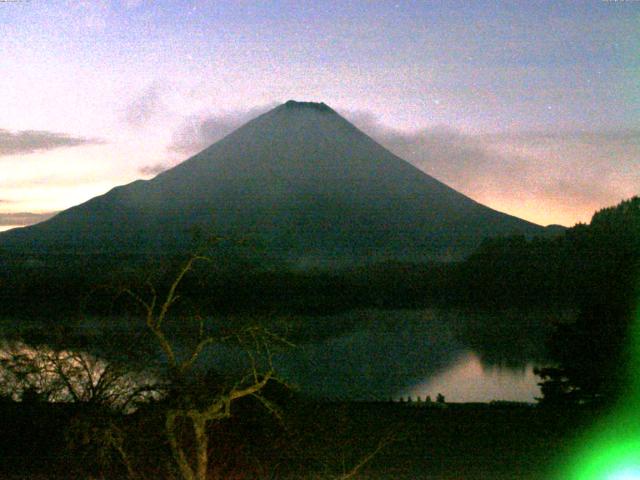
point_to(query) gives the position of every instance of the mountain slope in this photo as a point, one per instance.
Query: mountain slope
(307, 184)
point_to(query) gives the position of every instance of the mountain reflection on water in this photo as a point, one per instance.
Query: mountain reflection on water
(389, 354)
(468, 380)
(375, 354)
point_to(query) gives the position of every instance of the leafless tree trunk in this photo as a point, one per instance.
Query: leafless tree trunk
(198, 418)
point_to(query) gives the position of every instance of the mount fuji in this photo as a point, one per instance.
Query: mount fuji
(302, 181)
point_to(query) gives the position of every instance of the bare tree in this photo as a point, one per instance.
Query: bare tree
(101, 391)
(190, 449)
(70, 375)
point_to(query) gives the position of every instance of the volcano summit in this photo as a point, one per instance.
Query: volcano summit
(302, 181)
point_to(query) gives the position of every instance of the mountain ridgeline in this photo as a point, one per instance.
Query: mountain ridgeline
(300, 181)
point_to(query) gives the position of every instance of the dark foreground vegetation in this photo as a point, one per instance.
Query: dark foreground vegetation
(313, 440)
(145, 407)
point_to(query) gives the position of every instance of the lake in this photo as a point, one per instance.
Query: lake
(372, 354)
(467, 379)
(400, 353)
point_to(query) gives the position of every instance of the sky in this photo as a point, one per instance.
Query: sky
(532, 108)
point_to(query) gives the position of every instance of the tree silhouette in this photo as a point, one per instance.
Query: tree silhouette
(593, 352)
(191, 412)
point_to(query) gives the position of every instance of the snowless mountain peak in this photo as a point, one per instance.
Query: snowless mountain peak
(321, 107)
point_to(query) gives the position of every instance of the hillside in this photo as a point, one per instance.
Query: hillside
(300, 181)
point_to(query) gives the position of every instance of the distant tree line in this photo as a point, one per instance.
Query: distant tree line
(198, 419)
(594, 353)
(592, 269)
(503, 272)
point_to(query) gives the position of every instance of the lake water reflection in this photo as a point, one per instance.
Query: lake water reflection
(393, 354)
(380, 354)
(468, 380)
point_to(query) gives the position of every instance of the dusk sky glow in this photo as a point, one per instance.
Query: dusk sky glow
(532, 108)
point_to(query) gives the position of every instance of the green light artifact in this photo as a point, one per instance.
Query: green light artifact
(611, 449)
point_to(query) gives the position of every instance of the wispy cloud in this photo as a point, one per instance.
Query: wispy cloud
(620, 137)
(130, 4)
(548, 176)
(145, 106)
(441, 151)
(23, 218)
(199, 131)
(151, 170)
(30, 141)
(577, 169)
